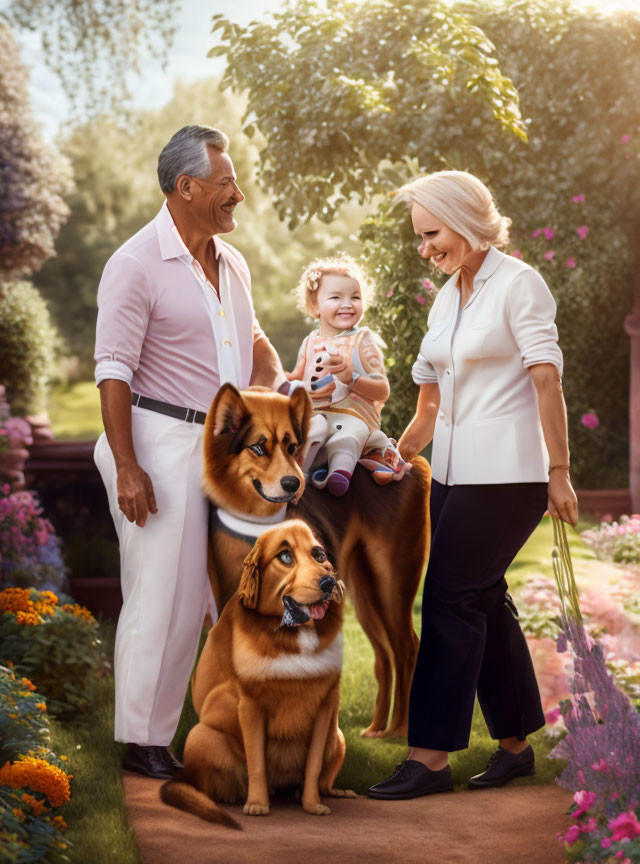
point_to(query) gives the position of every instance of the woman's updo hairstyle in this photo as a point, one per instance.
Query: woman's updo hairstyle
(463, 203)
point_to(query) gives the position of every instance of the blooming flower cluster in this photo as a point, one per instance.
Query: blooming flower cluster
(30, 551)
(30, 607)
(15, 437)
(616, 541)
(548, 233)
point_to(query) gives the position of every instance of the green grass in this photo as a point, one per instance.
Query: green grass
(74, 410)
(96, 816)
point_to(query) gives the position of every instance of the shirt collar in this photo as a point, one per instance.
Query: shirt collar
(171, 243)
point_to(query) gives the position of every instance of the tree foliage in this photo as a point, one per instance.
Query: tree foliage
(337, 88)
(94, 46)
(117, 192)
(33, 176)
(577, 176)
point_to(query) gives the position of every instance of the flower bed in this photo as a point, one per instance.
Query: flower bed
(56, 644)
(34, 783)
(30, 551)
(616, 541)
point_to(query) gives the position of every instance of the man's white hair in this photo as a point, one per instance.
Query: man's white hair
(186, 153)
(463, 203)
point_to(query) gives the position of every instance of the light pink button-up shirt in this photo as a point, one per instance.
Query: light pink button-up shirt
(161, 326)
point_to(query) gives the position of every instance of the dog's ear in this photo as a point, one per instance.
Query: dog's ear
(300, 409)
(230, 414)
(249, 587)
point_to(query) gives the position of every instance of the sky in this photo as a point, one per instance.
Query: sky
(187, 60)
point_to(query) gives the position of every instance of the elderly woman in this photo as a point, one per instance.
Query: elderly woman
(489, 371)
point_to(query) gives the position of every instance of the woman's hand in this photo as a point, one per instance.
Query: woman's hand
(563, 503)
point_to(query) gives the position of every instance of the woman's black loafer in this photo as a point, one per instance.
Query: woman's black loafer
(504, 766)
(411, 779)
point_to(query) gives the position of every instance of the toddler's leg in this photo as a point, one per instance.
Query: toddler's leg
(343, 449)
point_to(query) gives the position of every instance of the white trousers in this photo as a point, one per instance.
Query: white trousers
(163, 572)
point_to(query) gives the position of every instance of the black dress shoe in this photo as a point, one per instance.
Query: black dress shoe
(151, 760)
(412, 779)
(504, 766)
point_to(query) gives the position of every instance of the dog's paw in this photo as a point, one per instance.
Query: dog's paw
(317, 809)
(340, 793)
(253, 809)
(370, 732)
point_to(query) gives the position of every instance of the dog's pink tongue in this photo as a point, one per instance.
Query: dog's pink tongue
(319, 610)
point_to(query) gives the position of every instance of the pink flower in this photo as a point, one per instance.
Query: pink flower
(581, 775)
(625, 138)
(590, 420)
(572, 835)
(428, 285)
(601, 765)
(606, 842)
(549, 233)
(420, 299)
(552, 716)
(589, 826)
(536, 233)
(578, 199)
(585, 801)
(619, 853)
(570, 263)
(516, 253)
(390, 292)
(625, 825)
(550, 255)
(582, 231)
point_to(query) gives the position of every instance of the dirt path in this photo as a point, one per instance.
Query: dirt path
(496, 826)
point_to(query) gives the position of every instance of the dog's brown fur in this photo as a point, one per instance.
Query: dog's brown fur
(377, 537)
(266, 697)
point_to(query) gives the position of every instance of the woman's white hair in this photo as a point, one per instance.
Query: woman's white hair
(463, 203)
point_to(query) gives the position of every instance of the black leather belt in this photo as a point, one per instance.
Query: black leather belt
(190, 415)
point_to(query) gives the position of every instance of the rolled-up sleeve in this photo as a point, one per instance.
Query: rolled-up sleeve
(423, 372)
(124, 309)
(531, 311)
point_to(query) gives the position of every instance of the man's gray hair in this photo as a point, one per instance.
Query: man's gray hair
(186, 153)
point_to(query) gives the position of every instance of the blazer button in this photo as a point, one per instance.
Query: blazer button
(448, 371)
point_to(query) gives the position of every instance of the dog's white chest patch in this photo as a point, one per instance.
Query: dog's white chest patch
(309, 663)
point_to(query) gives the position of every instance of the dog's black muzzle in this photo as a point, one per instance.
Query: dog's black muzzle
(294, 614)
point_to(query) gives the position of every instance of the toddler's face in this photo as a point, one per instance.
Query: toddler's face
(339, 302)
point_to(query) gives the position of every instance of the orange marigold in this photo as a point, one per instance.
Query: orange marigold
(15, 600)
(28, 685)
(39, 775)
(43, 608)
(79, 611)
(41, 705)
(37, 806)
(59, 823)
(17, 812)
(48, 597)
(31, 619)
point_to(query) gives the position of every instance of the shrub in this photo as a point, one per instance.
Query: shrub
(30, 549)
(616, 541)
(55, 645)
(34, 783)
(28, 344)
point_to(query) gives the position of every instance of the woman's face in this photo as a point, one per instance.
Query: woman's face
(441, 245)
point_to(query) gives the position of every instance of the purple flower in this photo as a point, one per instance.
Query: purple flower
(578, 199)
(582, 231)
(549, 233)
(606, 842)
(590, 420)
(570, 263)
(536, 233)
(550, 255)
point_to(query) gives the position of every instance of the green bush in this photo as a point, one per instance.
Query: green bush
(28, 344)
(56, 646)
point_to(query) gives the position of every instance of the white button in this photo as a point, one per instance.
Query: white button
(225, 342)
(441, 416)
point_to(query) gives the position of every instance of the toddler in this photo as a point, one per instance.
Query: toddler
(341, 366)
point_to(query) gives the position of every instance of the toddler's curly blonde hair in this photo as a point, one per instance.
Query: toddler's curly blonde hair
(338, 265)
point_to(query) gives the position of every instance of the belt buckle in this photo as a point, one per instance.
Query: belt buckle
(190, 419)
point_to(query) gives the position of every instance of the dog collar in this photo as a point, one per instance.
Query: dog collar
(248, 529)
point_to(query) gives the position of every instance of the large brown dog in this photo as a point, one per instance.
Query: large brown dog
(377, 537)
(266, 688)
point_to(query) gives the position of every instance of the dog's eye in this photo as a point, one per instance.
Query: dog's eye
(258, 449)
(318, 554)
(286, 557)
(291, 449)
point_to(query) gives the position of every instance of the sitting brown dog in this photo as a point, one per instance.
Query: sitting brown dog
(266, 687)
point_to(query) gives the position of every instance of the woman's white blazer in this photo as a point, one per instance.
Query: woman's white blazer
(488, 426)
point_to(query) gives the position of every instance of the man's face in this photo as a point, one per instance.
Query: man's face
(215, 197)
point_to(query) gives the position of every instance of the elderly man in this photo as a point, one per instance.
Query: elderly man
(175, 321)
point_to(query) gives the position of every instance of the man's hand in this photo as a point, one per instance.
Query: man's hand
(136, 498)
